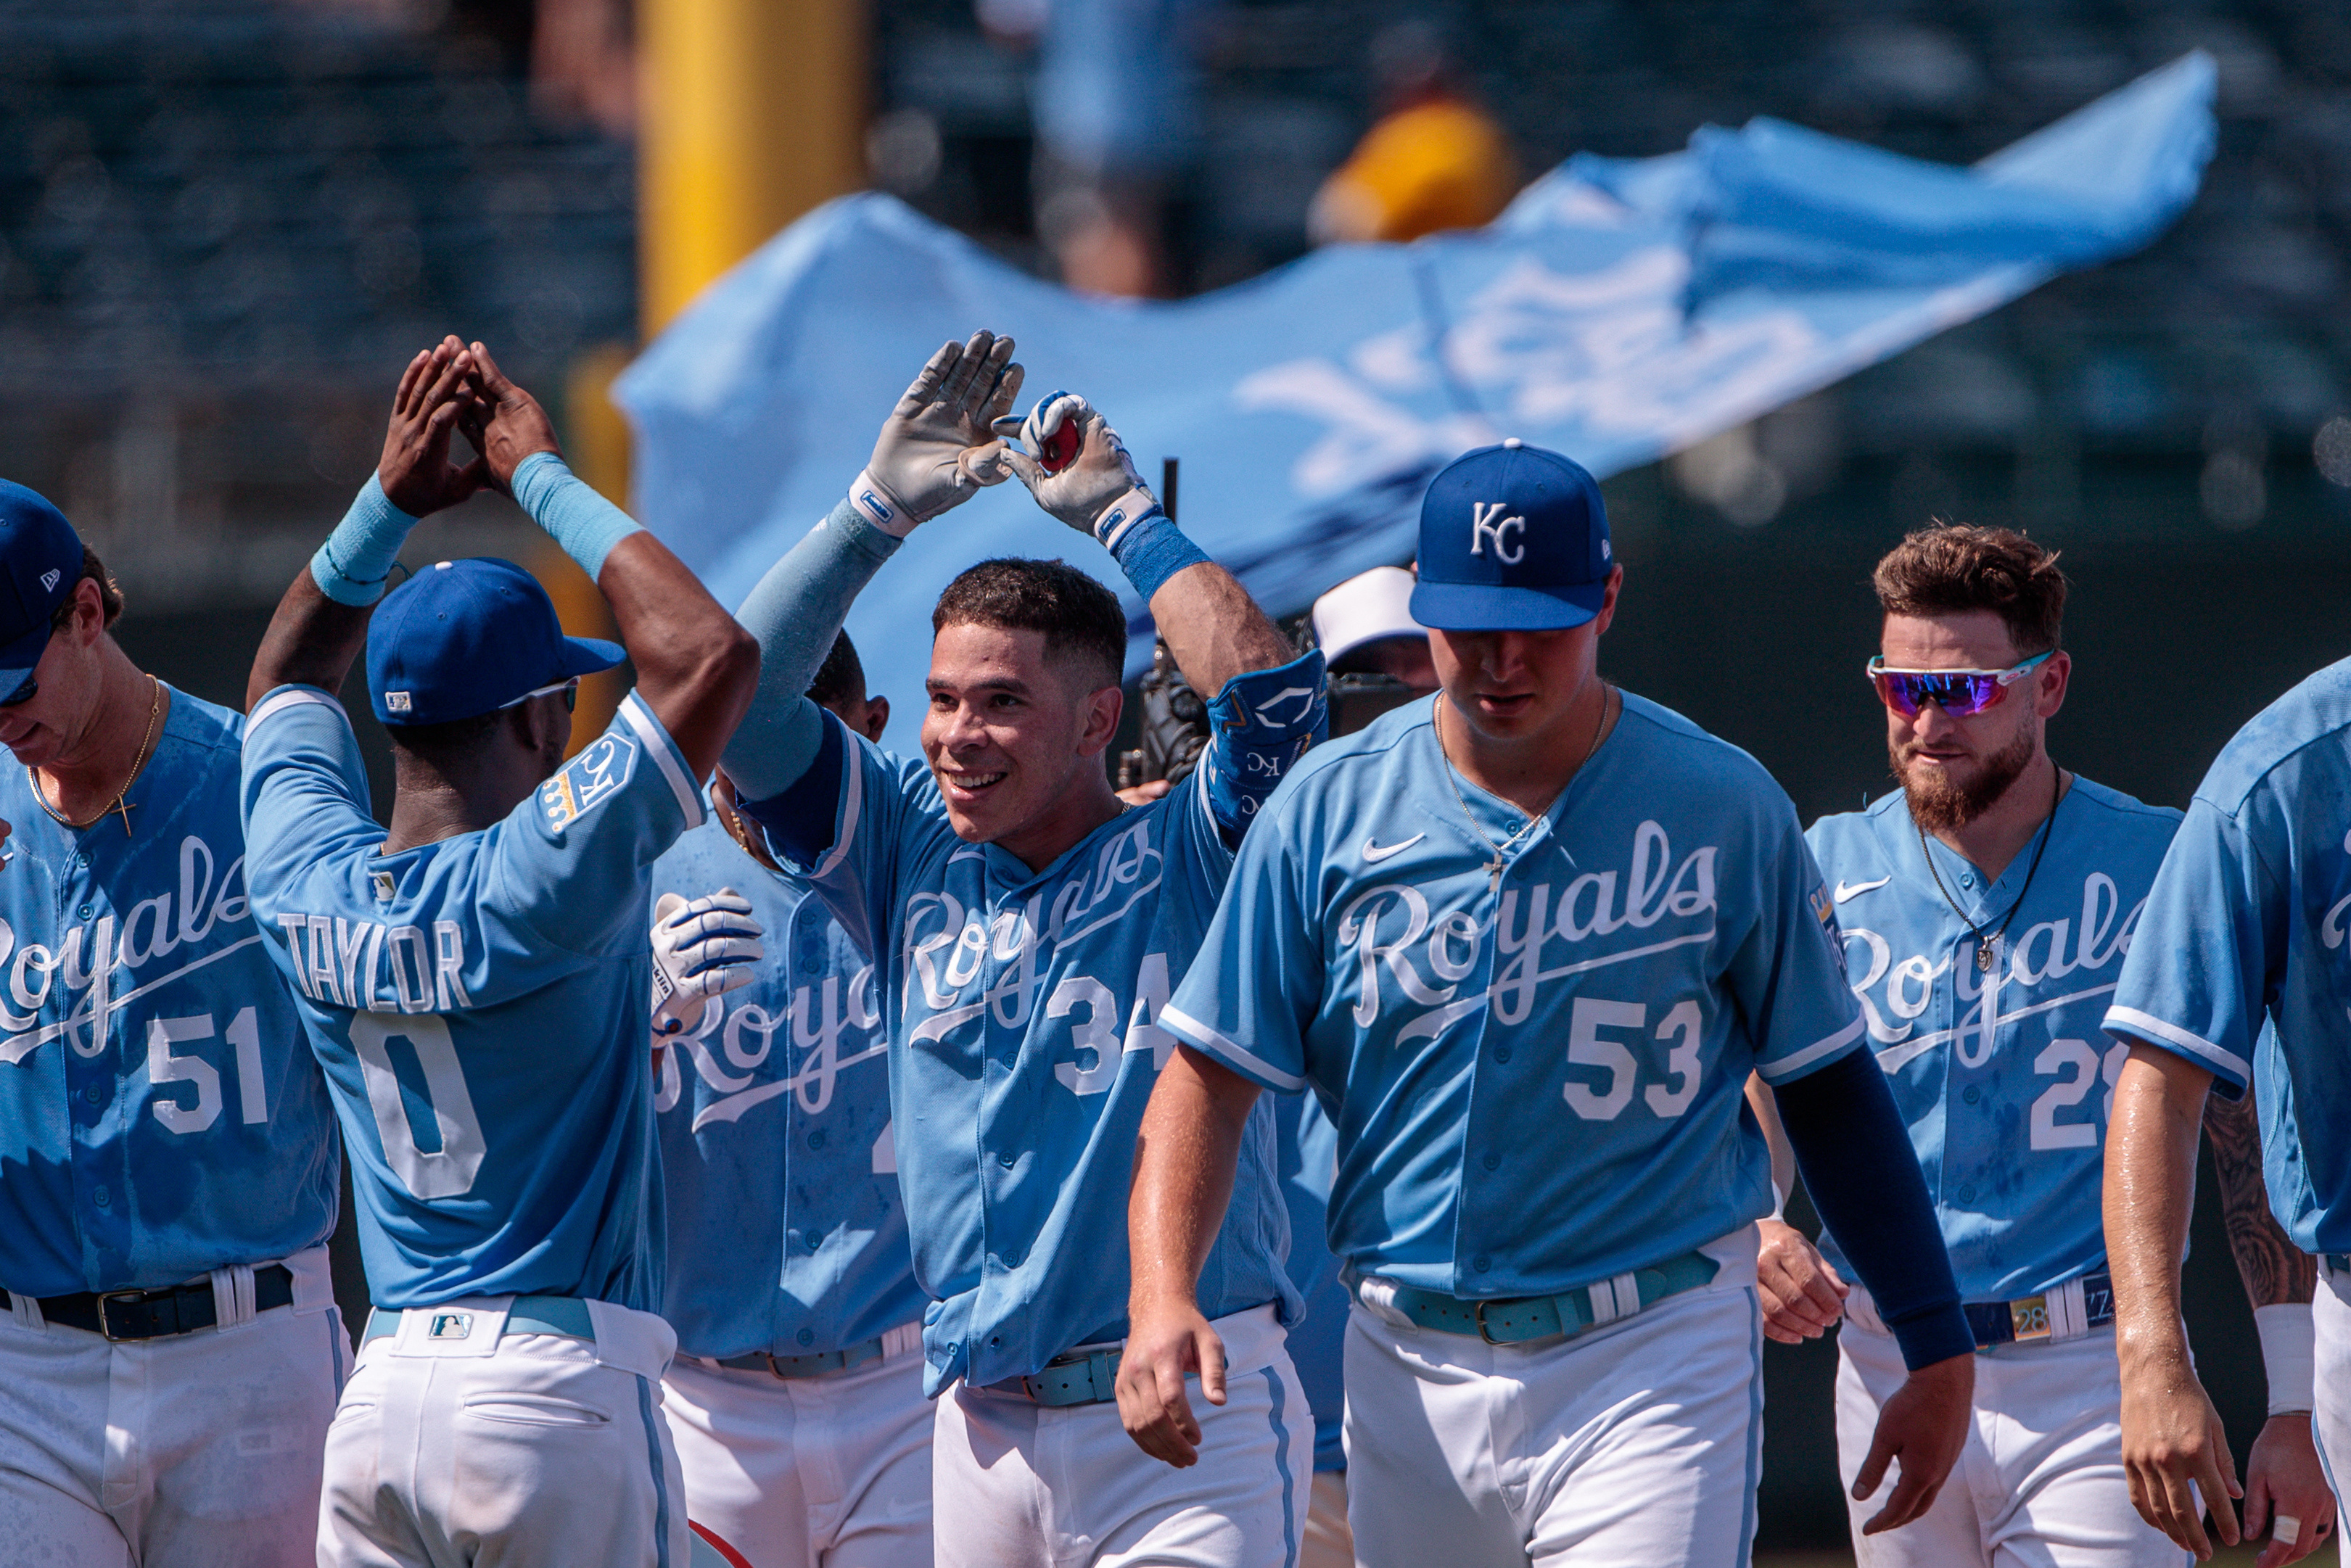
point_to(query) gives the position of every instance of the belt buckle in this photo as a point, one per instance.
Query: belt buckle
(106, 1329)
(1478, 1314)
(2028, 1320)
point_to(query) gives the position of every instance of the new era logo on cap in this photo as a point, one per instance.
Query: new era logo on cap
(49, 578)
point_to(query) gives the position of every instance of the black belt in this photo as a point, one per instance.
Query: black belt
(2027, 1321)
(158, 1314)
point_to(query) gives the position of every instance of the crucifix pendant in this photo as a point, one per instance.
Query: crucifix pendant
(122, 809)
(1987, 950)
(1494, 875)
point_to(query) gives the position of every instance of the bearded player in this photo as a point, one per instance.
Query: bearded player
(1986, 908)
(1028, 926)
(475, 980)
(1525, 940)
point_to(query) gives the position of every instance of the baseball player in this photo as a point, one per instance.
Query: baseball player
(1986, 908)
(171, 1352)
(2235, 981)
(1526, 939)
(475, 980)
(1027, 928)
(796, 1400)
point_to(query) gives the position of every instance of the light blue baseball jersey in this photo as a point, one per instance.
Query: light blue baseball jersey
(1310, 1158)
(786, 1233)
(160, 1114)
(479, 1005)
(1022, 1012)
(1537, 1078)
(2245, 929)
(2005, 1078)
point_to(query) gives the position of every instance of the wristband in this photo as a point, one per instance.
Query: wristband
(575, 516)
(1124, 514)
(1151, 548)
(878, 504)
(351, 566)
(2289, 1355)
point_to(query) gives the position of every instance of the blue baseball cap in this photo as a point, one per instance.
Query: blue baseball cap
(468, 637)
(1512, 539)
(40, 562)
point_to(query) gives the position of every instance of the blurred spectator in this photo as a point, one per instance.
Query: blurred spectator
(1365, 627)
(1434, 160)
(1116, 113)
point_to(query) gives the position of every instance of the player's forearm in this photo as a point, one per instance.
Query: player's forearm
(1862, 1175)
(795, 612)
(695, 665)
(2148, 1191)
(2275, 1271)
(1783, 1158)
(311, 641)
(1185, 1157)
(1214, 628)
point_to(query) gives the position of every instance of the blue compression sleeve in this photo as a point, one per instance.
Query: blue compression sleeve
(585, 524)
(1151, 550)
(351, 566)
(796, 611)
(1863, 1173)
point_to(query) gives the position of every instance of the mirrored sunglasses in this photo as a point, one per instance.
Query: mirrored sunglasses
(1958, 692)
(570, 690)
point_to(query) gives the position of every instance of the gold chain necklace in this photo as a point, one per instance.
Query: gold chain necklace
(154, 707)
(1493, 868)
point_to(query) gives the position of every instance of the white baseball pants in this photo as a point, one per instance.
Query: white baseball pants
(2040, 1483)
(1636, 1442)
(197, 1451)
(527, 1450)
(1016, 1483)
(832, 1472)
(2330, 1315)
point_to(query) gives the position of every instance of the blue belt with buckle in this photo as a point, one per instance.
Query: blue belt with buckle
(2028, 1321)
(1080, 1378)
(529, 1314)
(816, 1364)
(1515, 1320)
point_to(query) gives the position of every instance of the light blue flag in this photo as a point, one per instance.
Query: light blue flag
(1619, 310)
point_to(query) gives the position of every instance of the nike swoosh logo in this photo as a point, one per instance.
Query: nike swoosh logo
(1373, 853)
(1845, 890)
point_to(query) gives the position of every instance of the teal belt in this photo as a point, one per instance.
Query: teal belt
(529, 1314)
(2338, 1261)
(1080, 1378)
(815, 1365)
(1515, 1320)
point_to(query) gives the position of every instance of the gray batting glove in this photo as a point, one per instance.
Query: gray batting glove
(1094, 489)
(938, 447)
(702, 949)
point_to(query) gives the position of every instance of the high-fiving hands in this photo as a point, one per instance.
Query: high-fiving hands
(437, 391)
(939, 446)
(1097, 491)
(703, 948)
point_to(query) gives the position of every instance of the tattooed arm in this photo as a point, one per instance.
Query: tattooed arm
(2283, 1483)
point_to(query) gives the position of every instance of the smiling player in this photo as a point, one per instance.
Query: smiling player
(1525, 940)
(1028, 927)
(1986, 907)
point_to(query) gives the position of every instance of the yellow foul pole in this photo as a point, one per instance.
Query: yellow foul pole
(750, 113)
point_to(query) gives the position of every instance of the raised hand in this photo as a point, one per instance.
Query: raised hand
(1082, 491)
(506, 422)
(703, 948)
(437, 391)
(939, 445)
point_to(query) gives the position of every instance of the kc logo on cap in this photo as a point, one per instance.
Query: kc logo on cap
(1512, 539)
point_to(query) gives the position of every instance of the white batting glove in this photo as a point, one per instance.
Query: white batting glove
(702, 949)
(1078, 469)
(938, 446)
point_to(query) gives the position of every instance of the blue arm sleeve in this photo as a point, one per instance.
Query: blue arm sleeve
(585, 524)
(796, 611)
(800, 820)
(350, 568)
(1863, 1173)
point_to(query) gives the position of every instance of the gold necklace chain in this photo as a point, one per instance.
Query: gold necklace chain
(154, 707)
(1494, 867)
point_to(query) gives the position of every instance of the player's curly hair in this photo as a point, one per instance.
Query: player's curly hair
(1080, 618)
(109, 596)
(1950, 568)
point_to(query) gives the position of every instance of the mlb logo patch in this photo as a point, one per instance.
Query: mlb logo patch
(384, 886)
(450, 1325)
(395, 702)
